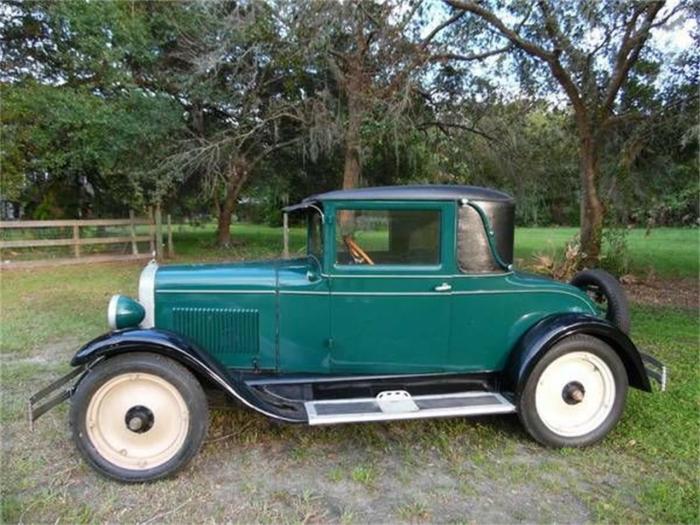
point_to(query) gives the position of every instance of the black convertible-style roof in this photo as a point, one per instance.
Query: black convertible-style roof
(426, 192)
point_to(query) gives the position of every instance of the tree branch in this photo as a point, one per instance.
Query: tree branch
(409, 16)
(419, 55)
(271, 149)
(630, 48)
(497, 23)
(551, 58)
(442, 126)
(551, 25)
(426, 41)
(467, 58)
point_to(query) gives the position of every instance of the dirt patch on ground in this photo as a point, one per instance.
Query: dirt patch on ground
(683, 293)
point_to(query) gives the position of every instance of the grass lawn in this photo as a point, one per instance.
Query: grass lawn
(251, 470)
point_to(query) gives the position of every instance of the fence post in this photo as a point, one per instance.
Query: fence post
(171, 246)
(285, 235)
(134, 247)
(76, 240)
(151, 231)
(159, 233)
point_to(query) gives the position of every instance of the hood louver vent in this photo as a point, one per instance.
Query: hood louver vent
(220, 331)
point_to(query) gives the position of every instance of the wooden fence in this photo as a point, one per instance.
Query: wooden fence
(76, 241)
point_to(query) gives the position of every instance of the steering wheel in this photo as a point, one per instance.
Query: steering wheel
(357, 253)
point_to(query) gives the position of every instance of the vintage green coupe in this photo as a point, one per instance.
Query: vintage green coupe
(405, 306)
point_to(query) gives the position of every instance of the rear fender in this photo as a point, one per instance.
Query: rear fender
(184, 351)
(550, 330)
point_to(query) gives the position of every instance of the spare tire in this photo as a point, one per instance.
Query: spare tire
(608, 294)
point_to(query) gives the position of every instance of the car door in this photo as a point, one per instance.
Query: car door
(390, 287)
(303, 309)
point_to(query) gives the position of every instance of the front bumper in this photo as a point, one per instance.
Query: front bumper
(38, 405)
(656, 370)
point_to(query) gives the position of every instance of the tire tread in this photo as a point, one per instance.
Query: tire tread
(618, 306)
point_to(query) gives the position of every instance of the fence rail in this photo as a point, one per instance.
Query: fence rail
(73, 222)
(31, 243)
(154, 238)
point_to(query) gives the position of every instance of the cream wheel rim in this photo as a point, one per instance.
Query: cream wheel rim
(137, 421)
(575, 394)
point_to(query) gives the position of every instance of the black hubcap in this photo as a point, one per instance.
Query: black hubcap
(139, 419)
(573, 393)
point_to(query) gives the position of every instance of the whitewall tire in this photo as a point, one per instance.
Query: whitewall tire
(138, 417)
(575, 394)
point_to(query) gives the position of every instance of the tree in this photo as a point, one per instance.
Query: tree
(374, 57)
(589, 50)
(81, 153)
(231, 70)
(79, 135)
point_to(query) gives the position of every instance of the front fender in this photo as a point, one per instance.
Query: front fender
(550, 330)
(184, 351)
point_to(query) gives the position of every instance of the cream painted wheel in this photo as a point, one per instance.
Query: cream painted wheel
(137, 421)
(575, 394)
(138, 417)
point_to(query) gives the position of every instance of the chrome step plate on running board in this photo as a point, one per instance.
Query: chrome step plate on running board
(399, 404)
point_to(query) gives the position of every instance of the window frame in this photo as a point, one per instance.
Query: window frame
(446, 225)
(321, 237)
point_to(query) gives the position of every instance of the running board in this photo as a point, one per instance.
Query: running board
(399, 404)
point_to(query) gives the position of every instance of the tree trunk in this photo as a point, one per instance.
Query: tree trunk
(238, 174)
(592, 210)
(352, 169)
(223, 231)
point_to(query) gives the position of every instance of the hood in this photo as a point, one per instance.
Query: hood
(240, 276)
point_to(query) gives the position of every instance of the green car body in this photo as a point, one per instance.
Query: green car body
(271, 316)
(315, 316)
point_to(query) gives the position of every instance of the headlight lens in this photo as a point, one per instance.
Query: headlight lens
(124, 312)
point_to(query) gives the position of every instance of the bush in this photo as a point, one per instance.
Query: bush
(615, 258)
(561, 267)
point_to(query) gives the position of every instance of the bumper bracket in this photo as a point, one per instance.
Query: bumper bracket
(38, 404)
(656, 370)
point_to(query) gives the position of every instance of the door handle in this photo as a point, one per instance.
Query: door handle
(444, 287)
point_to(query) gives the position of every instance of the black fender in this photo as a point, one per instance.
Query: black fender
(552, 329)
(187, 353)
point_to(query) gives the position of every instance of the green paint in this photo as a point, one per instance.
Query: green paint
(128, 312)
(318, 317)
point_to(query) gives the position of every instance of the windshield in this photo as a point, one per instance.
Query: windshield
(315, 244)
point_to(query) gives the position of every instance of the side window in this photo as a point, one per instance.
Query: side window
(473, 251)
(396, 237)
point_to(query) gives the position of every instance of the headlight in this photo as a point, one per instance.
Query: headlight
(124, 312)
